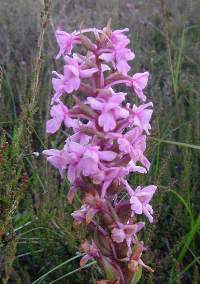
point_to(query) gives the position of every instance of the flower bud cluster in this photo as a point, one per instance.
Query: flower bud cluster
(107, 144)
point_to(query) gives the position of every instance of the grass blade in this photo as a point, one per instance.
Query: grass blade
(182, 200)
(181, 144)
(74, 271)
(56, 267)
(189, 238)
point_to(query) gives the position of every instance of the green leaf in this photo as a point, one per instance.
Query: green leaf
(137, 275)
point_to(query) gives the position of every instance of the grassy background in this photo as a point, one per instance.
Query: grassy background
(36, 230)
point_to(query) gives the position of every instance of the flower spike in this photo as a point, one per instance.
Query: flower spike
(107, 143)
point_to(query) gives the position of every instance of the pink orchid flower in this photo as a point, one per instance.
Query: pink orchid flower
(59, 114)
(84, 214)
(85, 159)
(134, 143)
(66, 42)
(110, 110)
(71, 79)
(119, 57)
(140, 198)
(126, 233)
(136, 261)
(80, 214)
(118, 36)
(139, 82)
(58, 158)
(142, 116)
(66, 83)
(92, 252)
(112, 174)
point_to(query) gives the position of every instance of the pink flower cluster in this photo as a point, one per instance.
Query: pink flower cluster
(108, 143)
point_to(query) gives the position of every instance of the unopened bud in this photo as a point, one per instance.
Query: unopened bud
(87, 43)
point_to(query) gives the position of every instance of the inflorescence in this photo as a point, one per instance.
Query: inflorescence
(107, 144)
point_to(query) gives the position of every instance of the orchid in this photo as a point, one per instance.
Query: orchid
(126, 232)
(91, 250)
(110, 110)
(140, 198)
(116, 52)
(59, 114)
(71, 79)
(134, 144)
(142, 116)
(107, 143)
(58, 159)
(119, 57)
(66, 42)
(118, 36)
(139, 83)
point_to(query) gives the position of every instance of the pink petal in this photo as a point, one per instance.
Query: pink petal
(88, 166)
(57, 84)
(117, 98)
(71, 173)
(51, 152)
(76, 147)
(148, 215)
(140, 93)
(136, 205)
(107, 121)
(139, 226)
(141, 79)
(107, 155)
(118, 235)
(123, 67)
(107, 57)
(52, 125)
(122, 113)
(87, 73)
(95, 104)
(71, 69)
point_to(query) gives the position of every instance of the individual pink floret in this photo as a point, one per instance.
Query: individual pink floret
(59, 114)
(126, 233)
(139, 82)
(140, 198)
(84, 214)
(58, 158)
(134, 143)
(141, 116)
(119, 57)
(92, 252)
(118, 36)
(71, 79)
(110, 110)
(66, 42)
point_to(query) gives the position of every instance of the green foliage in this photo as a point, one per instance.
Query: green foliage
(37, 236)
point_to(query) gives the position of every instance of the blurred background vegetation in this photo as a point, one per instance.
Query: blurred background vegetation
(37, 237)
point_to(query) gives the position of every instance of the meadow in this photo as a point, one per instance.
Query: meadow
(38, 241)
